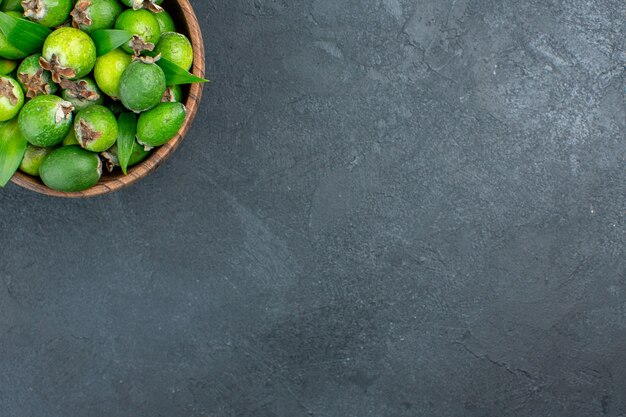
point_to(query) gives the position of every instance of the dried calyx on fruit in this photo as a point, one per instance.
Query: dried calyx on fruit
(34, 79)
(54, 66)
(79, 89)
(80, 14)
(138, 45)
(152, 5)
(7, 90)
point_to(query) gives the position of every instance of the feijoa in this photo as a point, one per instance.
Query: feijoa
(176, 48)
(142, 86)
(33, 159)
(157, 126)
(166, 23)
(70, 169)
(46, 120)
(68, 53)
(172, 93)
(96, 128)
(144, 27)
(34, 79)
(11, 98)
(138, 155)
(151, 5)
(50, 13)
(81, 93)
(109, 69)
(92, 15)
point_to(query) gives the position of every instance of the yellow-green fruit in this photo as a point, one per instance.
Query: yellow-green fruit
(71, 169)
(6, 66)
(166, 23)
(144, 27)
(109, 69)
(33, 158)
(50, 13)
(70, 139)
(68, 53)
(176, 48)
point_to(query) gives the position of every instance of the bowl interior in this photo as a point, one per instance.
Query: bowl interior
(186, 23)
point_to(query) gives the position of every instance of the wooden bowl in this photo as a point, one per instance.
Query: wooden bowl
(187, 23)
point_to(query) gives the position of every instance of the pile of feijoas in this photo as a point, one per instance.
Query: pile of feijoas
(87, 83)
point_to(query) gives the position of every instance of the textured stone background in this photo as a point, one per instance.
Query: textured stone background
(386, 208)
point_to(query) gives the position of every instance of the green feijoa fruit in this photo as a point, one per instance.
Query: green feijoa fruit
(70, 139)
(173, 93)
(46, 120)
(139, 154)
(157, 126)
(81, 93)
(166, 23)
(33, 158)
(71, 169)
(151, 5)
(144, 27)
(7, 66)
(69, 53)
(11, 98)
(92, 15)
(109, 69)
(50, 13)
(7, 50)
(142, 86)
(96, 128)
(35, 80)
(176, 48)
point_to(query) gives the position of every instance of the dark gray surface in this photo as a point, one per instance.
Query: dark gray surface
(386, 208)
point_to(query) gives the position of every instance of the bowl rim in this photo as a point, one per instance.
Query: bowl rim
(112, 183)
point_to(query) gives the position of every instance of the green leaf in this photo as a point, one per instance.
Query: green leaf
(175, 75)
(127, 123)
(25, 35)
(12, 148)
(107, 40)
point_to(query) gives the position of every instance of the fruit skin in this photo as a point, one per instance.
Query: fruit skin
(33, 158)
(141, 23)
(173, 93)
(28, 69)
(70, 139)
(10, 106)
(101, 13)
(7, 66)
(138, 155)
(166, 23)
(157, 126)
(45, 120)
(142, 86)
(55, 12)
(109, 69)
(80, 102)
(71, 169)
(96, 128)
(7, 50)
(74, 50)
(176, 48)
(140, 3)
